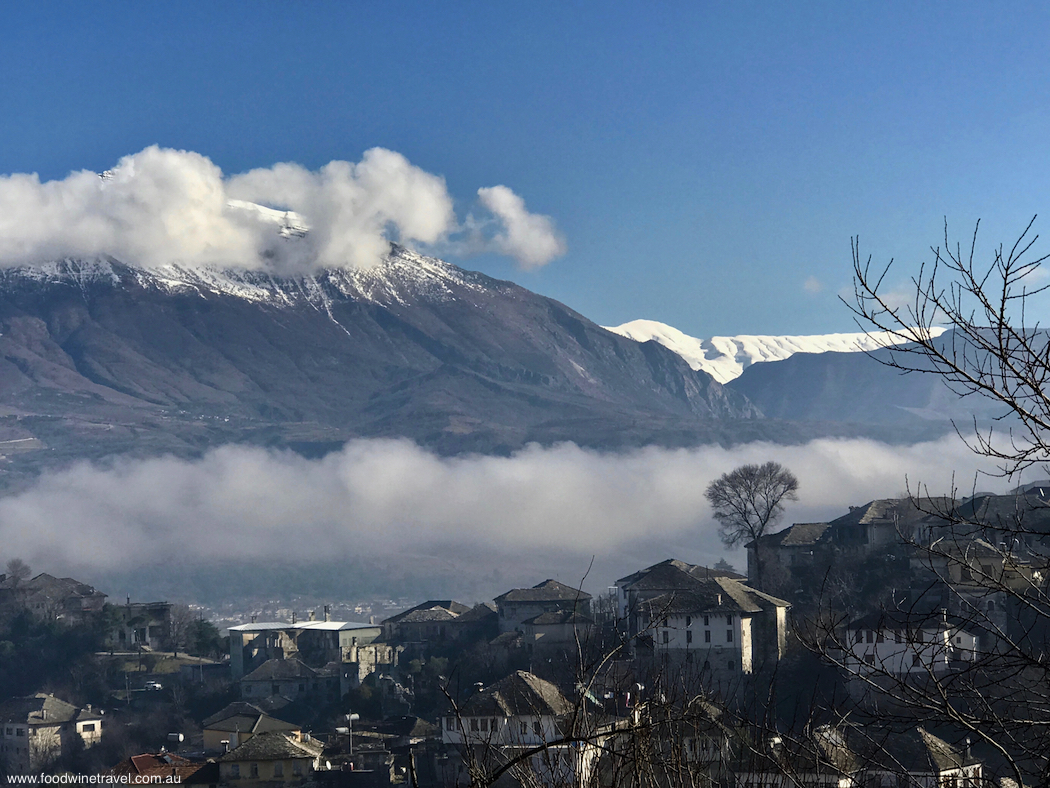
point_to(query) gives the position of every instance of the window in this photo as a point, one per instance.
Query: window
(729, 636)
(869, 636)
(302, 688)
(89, 727)
(729, 618)
(297, 768)
(235, 771)
(537, 728)
(688, 621)
(731, 665)
(707, 621)
(958, 640)
(918, 636)
(524, 727)
(474, 724)
(485, 725)
(666, 636)
(707, 635)
(20, 731)
(255, 770)
(278, 769)
(914, 659)
(897, 637)
(880, 637)
(688, 637)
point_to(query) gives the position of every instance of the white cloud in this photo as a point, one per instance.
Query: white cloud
(530, 238)
(160, 206)
(377, 496)
(813, 285)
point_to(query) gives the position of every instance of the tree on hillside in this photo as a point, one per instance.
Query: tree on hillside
(17, 572)
(747, 503)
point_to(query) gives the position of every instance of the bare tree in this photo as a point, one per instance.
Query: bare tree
(992, 563)
(17, 571)
(747, 503)
(994, 350)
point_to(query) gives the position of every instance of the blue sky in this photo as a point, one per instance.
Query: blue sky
(703, 161)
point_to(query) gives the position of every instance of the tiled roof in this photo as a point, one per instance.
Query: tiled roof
(161, 764)
(547, 591)
(519, 694)
(274, 746)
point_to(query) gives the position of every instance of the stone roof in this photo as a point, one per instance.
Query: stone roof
(42, 709)
(430, 615)
(277, 669)
(656, 575)
(717, 595)
(547, 591)
(274, 746)
(246, 718)
(479, 612)
(519, 694)
(440, 609)
(943, 756)
(910, 619)
(555, 617)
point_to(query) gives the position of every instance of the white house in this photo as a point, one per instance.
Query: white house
(900, 643)
(37, 730)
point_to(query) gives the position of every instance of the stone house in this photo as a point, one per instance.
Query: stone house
(142, 625)
(37, 730)
(291, 679)
(315, 643)
(550, 596)
(674, 611)
(272, 758)
(244, 720)
(901, 643)
(424, 623)
(48, 597)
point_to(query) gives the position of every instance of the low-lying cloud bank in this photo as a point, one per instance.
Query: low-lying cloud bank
(385, 496)
(162, 206)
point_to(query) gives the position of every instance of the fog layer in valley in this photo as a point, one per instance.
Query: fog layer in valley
(385, 498)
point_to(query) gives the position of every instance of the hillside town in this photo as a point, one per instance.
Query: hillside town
(900, 644)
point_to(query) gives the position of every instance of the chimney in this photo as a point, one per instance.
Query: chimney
(293, 617)
(327, 612)
(720, 600)
(253, 619)
(313, 615)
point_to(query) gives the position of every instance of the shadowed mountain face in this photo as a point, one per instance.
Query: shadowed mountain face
(863, 389)
(97, 357)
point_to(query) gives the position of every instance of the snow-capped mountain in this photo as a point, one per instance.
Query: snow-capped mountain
(725, 358)
(98, 356)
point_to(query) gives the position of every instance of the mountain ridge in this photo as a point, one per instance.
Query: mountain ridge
(726, 358)
(177, 359)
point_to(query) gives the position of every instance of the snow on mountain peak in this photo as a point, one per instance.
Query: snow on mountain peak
(725, 358)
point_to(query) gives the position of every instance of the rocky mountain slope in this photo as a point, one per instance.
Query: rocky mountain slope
(98, 357)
